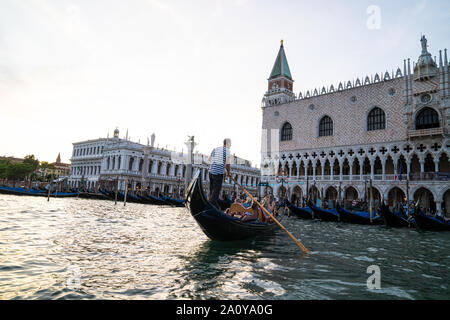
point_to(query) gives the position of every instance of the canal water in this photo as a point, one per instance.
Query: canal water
(88, 249)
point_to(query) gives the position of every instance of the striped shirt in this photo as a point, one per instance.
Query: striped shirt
(219, 157)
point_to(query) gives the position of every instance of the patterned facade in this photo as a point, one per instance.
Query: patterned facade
(386, 129)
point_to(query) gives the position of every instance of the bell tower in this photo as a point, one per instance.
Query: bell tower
(280, 83)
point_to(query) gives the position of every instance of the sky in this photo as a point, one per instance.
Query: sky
(75, 70)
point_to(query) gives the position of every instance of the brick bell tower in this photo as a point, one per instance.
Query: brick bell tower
(280, 89)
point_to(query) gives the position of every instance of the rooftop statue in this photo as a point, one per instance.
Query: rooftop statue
(424, 41)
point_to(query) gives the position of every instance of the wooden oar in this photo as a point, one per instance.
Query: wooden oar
(301, 246)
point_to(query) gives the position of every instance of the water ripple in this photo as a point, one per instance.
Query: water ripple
(81, 249)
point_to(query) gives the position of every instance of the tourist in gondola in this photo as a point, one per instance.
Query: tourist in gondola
(220, 165)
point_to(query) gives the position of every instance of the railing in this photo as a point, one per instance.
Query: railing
(425, 176)
(425, 132)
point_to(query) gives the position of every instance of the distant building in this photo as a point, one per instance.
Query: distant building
(116, 162)
(385, 128)
(59, 169)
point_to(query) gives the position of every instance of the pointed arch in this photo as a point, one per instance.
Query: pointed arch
(286, 132)
(325, 126)
(376, 119)
(427, 118)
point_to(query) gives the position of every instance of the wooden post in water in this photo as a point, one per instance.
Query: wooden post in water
(116, 191)
(125, 193)
(307, 189)
(407, 194)
(370, 199)
(49, 190)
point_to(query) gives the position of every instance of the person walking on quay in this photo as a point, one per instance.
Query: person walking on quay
(220, 161)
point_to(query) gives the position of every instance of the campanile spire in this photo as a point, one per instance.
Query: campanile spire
(280, 83)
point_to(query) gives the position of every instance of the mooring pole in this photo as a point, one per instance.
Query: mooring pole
(370, 199)
(126, 191)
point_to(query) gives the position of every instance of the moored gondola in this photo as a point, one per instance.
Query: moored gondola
(395, 219)
(173, 202)
(358, 217)
(324, 214)
(154, 200)
(22, 192)
(35, 193)
(302, 213)
(93, 196)
(427, 222)
(215, 223)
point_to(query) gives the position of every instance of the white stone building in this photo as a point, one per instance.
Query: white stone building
(107, 163)
(383, 128)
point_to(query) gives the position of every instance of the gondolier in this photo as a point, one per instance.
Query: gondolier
(220, 164)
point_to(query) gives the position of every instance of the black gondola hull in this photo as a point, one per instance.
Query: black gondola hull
(302, 213)
(355, 218)
(324, 215)
(426, 222)
(393, 220)
(215, 223)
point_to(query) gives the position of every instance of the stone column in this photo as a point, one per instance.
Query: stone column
(306, 170)
(322, 165)
(383, 168)
(341, 169)
(439, 208)
(361, 169)
(314, 170)
(436, 164)
(372, 169)
(422, 167)
(331, 170)
(351, 170)
(298, 170)
(155, 167)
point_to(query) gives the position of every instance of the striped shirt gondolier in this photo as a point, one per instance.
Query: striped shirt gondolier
(219, 157)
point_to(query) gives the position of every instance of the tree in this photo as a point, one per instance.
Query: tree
(18, 171)
(46, 166)
(4, 165)
(30, 159)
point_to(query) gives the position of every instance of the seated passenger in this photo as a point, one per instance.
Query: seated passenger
(256, 213)
(247, 203)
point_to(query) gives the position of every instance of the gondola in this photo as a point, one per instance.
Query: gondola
(427, 222)
(215, 223)
(64, 194)
(22, 192)
(302, 213)
(35, 193)
(92, 195)
(324, 214)
(110, 195)
(395, 219)
(358, 217)
(154, 200)
(173, 202)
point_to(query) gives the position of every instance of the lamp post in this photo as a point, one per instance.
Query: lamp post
(180, 181)
(282, 179)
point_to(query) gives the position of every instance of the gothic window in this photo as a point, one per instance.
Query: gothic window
(326, 127)
(376, 120)
(427, 119)
(286, 132)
